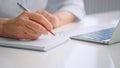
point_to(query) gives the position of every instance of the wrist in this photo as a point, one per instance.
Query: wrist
(57, 21)
(65, 17)
(2, 21)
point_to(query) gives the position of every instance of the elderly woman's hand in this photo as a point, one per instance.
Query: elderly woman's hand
(26, 26)
(59, 18)
(54, 20)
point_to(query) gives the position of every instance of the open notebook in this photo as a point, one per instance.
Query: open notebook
(44, 43)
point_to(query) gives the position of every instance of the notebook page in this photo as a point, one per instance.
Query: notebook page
(43, 43)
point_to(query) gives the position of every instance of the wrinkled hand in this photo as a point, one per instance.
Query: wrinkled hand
(27, 26)
(54, 20)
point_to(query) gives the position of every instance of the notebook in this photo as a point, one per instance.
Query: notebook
(43, 43)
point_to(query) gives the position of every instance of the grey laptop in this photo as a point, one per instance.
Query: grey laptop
(106, 36)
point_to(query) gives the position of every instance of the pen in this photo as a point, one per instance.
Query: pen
(22, 7)
(42, 25)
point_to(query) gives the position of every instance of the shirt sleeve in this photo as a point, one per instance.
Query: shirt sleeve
(76, 7)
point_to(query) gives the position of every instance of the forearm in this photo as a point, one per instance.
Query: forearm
(2, 21)
(64, 17)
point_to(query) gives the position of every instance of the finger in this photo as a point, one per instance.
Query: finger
(22, 33)
(41, 20)
(46, 14)
(35, 27)
(24, 14)
(49, 16)
(27, 34)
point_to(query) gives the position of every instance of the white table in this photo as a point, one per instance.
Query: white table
(72, 54)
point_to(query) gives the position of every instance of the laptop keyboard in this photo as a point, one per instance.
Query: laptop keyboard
(98, 35)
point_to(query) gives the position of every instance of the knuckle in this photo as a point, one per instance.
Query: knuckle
(43, 11)
(35, 37)
(19, 36)
(25, 12)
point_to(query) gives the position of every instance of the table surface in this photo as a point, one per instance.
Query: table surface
(72, 54)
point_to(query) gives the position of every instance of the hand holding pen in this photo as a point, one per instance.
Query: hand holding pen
(28, 25)
(43, 24)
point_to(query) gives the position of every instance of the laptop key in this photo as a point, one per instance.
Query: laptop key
(98, 35)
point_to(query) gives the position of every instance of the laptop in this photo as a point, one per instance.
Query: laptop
(105, 36)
